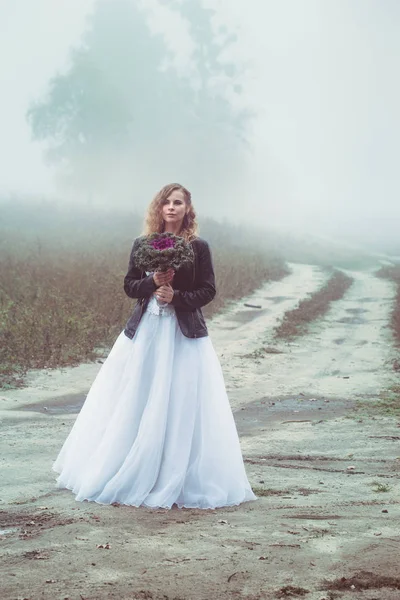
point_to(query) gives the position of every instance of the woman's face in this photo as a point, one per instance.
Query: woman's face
(174, 208)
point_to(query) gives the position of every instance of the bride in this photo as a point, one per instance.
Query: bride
(156, 428)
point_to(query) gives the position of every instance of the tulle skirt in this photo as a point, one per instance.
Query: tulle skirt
(156, 428)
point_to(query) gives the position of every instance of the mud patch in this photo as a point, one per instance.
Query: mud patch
(290, 591)
(35, 498)
(364, 580)
(357, 311)
(352, 320)
(68, 404)
(270, 492)
(36, 555)
(313, 517)
(261, 352)
(31, 524)
(246, 316)
(304, 457)
(277, 299)
(264, 413)
(295, 491)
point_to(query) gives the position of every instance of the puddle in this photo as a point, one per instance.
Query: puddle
(245, 316)
(352, 320)
(268, 411)
(340, 341)
(277, 299)
(68, 404)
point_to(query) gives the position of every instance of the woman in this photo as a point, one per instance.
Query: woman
(156, 428)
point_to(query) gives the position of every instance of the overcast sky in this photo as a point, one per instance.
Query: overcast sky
(323, 76)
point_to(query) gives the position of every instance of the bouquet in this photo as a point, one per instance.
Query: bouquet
(163, 251)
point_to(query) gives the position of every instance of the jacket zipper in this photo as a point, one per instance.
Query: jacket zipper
(194, 332)
(142, 299)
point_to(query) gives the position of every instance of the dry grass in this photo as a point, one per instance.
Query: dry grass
(364, 580)
(295, 322)
(393, 273)
(261, 491)
(387, 403)
(55, 310)
(62, 298)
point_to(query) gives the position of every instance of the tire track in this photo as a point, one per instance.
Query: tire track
(240, 330)
(346, 354)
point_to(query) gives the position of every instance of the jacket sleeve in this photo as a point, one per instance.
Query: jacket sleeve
(135, 285)
(205, 289)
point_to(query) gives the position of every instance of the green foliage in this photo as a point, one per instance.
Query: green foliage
(386, 404)
(380, 487)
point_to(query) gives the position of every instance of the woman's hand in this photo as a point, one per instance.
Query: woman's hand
(165, 293)
(162, 278)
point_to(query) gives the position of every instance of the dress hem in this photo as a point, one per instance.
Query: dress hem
(154, 507)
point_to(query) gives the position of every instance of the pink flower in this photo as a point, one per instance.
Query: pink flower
(163, 244)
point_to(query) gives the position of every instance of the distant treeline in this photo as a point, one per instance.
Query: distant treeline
(79, 228)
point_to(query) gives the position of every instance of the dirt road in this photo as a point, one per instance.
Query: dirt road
(327, 475)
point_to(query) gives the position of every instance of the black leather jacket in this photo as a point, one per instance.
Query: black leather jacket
(194, 287)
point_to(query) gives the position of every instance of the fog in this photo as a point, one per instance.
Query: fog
(320, 79)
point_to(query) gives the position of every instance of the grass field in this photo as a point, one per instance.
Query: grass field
(393, 273)
(61, 283)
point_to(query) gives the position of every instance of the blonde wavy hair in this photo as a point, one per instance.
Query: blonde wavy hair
(154, 222)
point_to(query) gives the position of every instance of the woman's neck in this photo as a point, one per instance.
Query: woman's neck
(171, 229)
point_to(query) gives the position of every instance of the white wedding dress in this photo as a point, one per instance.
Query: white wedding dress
(156, 428)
